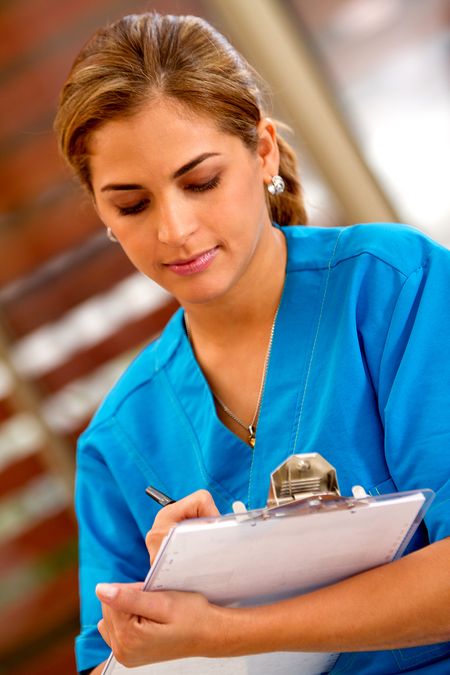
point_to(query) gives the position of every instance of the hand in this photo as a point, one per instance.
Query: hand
(199, 504)
(143, 627)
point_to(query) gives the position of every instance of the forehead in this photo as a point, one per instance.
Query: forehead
(165, 130)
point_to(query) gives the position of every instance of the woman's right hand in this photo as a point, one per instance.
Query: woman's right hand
(199, 504)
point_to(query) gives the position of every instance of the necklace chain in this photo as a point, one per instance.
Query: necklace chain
(251, 428)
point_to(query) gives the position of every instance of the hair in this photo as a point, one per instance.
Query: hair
(148, 56)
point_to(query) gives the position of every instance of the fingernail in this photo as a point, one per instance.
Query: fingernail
(106, 591)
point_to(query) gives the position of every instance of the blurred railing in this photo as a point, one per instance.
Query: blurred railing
(73, 312)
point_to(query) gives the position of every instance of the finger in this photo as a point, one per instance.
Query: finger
(109, 589)
(126, 600)
(112, 617)
(116, 622)
(199, 504)
(130, 584)
(103, 630)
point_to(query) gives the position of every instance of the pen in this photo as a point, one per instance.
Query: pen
(158, 496)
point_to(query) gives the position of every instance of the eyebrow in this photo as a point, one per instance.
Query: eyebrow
(193, 163)
(179, 172)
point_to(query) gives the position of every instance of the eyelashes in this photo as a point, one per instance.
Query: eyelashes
(210, 185)
(134, 208)
(142, 204)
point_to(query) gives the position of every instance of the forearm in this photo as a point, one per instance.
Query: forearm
(402, 604)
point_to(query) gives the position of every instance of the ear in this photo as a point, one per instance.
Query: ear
(267, 149)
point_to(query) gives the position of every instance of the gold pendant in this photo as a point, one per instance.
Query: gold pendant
(251, 435)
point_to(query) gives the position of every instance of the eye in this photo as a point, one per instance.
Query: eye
(202, 187)
(133, 209)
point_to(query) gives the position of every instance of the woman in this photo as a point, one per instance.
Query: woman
(289, 339)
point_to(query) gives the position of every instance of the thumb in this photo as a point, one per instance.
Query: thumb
(129, 599)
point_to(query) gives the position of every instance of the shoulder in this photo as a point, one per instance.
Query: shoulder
(400, 247)
(139, 376)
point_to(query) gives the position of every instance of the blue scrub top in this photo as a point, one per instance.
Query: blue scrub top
(359, 372)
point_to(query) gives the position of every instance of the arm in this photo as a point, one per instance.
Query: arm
(107, 533)
(384, 608)
(373, 610)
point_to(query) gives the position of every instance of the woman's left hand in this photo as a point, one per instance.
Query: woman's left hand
(142, 627)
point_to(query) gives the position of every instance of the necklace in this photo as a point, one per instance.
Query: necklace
(251, 428)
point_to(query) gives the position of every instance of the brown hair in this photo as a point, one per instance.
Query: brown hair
(180, 57)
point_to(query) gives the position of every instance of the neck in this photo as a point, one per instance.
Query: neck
(253, 301)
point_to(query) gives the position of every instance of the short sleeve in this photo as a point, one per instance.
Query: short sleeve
(414, 387)
(107, 534)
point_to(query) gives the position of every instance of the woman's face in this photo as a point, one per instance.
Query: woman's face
(185, 200)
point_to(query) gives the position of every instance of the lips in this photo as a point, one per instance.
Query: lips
(195, 264)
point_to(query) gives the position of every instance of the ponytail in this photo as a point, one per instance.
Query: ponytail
(288, 207)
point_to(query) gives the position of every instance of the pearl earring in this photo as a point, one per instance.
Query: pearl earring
(111, 237)
(277, 186)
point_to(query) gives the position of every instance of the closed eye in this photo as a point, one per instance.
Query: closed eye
(202, 187)
(142, 204)
(133, 209)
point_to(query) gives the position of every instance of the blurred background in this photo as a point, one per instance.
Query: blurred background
(364, 86)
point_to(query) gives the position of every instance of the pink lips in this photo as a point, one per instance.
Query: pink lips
(194, 265)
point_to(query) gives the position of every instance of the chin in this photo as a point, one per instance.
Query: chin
(202, 296)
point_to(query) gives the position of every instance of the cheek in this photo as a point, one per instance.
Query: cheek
(140, 250)
(144, 259)
(244, 202)
(252, 209)
(248, 188)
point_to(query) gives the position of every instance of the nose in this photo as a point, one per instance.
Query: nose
(175, 224)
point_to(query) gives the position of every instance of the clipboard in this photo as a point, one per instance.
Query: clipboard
(307, 537)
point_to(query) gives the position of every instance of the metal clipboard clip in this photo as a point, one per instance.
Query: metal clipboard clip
(307, 483)
(302, 484)
(301, 477)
